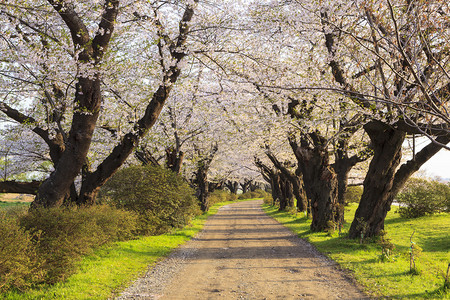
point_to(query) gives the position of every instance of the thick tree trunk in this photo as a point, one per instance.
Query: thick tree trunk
(383, 182)
(277, 194)
(377, 195)
(232, 186)
(287, 197)
(319, 179)
(69, 165)
(55, 188)
(20, 187)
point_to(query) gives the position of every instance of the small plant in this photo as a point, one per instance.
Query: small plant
(362, 228)
(387, 247)
(414, 251)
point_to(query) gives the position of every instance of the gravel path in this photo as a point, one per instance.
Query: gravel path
(244, 254)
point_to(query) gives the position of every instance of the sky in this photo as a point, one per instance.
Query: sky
(438, 165)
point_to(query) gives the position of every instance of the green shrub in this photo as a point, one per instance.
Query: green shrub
(66, 233)
(162, 199)
(18, 261)
(422, 197)
(252, 195)
(221, 196)
(268, 199)
(353, 194)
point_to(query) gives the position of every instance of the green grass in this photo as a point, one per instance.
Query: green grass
(8, 204)
(110, 269)
(389, 279)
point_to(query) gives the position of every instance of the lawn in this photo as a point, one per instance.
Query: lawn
(392, 278)
(110, 269)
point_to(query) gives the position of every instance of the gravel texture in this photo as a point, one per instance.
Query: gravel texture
(244, 254)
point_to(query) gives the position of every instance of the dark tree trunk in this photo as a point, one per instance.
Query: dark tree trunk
(212, 186)
(55, 188)
(376, 199)
(87, 100)
(319, 179)
(287, 195)
(273, 178)
(277, 194)
(342, 166)
(202, 188)
(232, 186)
(146, 157)
(174, 159)
(245, 185)
(201, 178)
(383, 182)
(295, 180)
(20, 187)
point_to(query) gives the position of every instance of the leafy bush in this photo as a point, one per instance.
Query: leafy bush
(422, 197)
(18, 261)
(268, 199)
(162, 199)
(221, 196)
(66, 233)
(252, 195)
(353, 194)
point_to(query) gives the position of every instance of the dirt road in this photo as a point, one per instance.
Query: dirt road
(244, 254)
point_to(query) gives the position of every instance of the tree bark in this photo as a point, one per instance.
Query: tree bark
(201, 178)
(295, 180)
(319, 179)
(174, 159)
(342, 166)
(20, 187)
(383, 182)
(376, 199)
(88, 100)
(232, 186)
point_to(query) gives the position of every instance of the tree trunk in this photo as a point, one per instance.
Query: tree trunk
(20, 187)
(88, 98)
(319, 179)
(202, 189)
(201, 177)
(245, 185)
(377, 195)
(382, 183)
(342, 166)
(295, 180)
(57, 186)
(174, 159)
(232, 186)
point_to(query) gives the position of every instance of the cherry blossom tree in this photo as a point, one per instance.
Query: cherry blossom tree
(55, 49)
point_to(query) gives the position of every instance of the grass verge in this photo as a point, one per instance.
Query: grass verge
(390, 278)
(111, 268)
